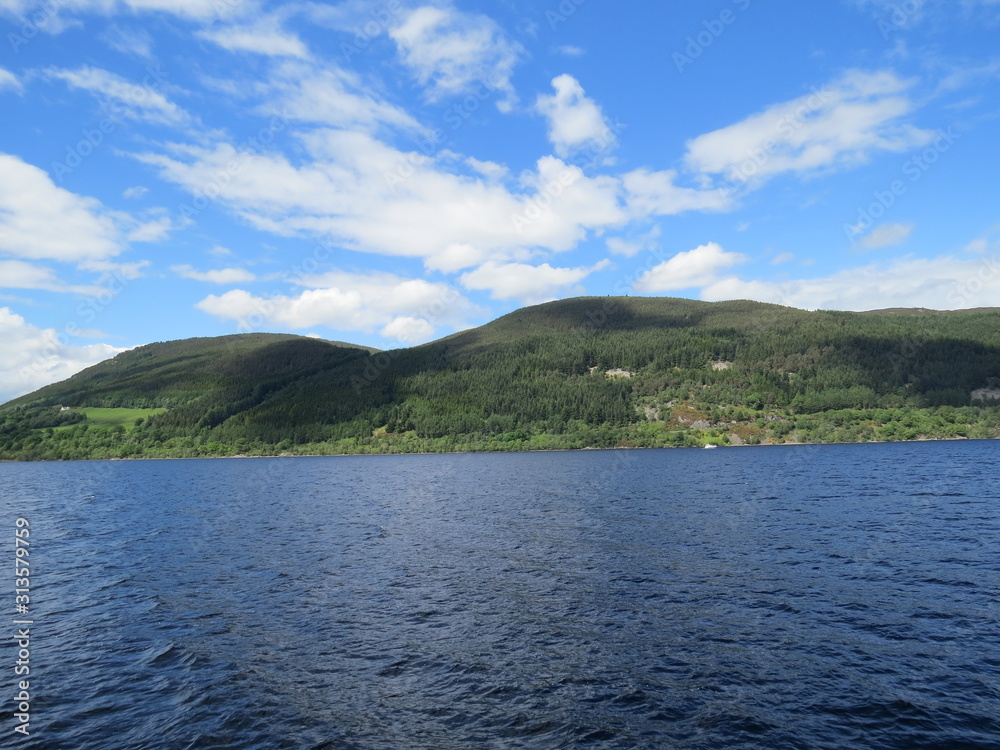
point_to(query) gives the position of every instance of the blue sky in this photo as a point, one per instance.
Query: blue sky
(390, 172)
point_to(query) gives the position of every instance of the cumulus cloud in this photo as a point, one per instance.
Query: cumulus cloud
(694, 268)
(17, 274)
(408, 329)
(218, 276)
(575, 120)
(530, 284)
(32, 357)
(842, 124)
(451, 52)
(38, 219)
(941, 283)
(371, 197)
(655, 194)
(408, 310)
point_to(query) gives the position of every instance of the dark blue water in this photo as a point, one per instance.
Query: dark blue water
(798, 597)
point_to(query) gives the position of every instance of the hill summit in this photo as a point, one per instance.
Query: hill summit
(584, 372)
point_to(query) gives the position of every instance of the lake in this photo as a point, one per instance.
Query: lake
(794, 597)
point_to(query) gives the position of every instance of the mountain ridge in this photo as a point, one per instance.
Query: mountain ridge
(583, 372)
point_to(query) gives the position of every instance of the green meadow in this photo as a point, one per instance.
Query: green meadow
(102, 417)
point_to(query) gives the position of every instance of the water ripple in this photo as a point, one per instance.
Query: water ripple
(842, 596)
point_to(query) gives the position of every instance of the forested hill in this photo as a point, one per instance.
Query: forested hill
(586, 372)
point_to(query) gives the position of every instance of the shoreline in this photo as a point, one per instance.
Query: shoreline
(789, 444)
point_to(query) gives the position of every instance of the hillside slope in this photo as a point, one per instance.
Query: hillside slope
(573, 373)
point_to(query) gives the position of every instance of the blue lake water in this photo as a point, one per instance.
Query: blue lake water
(796, 597)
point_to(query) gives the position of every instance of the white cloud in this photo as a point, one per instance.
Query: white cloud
(138, 42)
(978, 246)
(218, 276)
(840, 125)
(694, 268)
(489, 169)
(655, 194)
(114, 272)
(886, 235)
(575, 120)
(619, 246)
(629, 248)
(570, 50)
(452, 53)
(32, 357)
(372, 198)
(894, 17)
(124, 99)
(9, 81)
(135, 192)
(265, 37)
(89, 333)
(400, 308)
(202, 10)
(154, 230)
(777, 260)
(942, 283)
(408, 329)
(41, 220)
(330, 96)
(531, 284)
(197, 9)
(17, 274)
(219, 251)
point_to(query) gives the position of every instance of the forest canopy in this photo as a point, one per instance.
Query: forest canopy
(585, 372)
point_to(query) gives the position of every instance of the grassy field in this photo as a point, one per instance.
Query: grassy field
(99, 417)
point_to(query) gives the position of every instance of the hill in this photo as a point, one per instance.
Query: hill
(614, 371)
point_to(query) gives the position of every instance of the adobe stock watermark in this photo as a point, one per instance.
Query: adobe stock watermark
(224, 9)
(454, 118)
(23, 623)
(902, 14)
(784, 128)
(964, 292)
(35, 23)
(213, 189)
(379, 21)
(561, 13)
(52, 353)
(92, 138)
(913, 169)
(535, 207)
(713, 28)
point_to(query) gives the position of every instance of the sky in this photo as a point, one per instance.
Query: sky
(390, 172)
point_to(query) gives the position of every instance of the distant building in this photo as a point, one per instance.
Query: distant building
(63, 408)
(985, 394)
